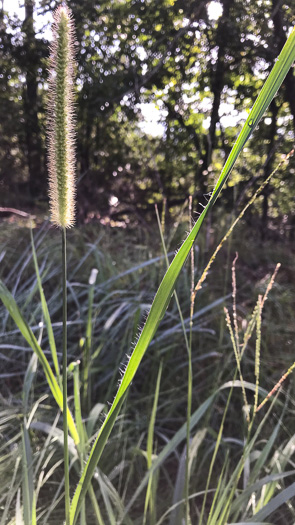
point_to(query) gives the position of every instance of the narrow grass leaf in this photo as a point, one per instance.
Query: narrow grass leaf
(78, 412)
(95, 506)
(27, 333)
(92, 418)
(149, 501)
(28, 483)
(45, 312)
(18, 510)
(57, 433)
(28, 380)
(265, 453)
(279, 500)
(86, 359)
(11, 493)
(216, 448)
(106, 498)
(221, 484)
(177, 514)
(243, 498)
(34, 510)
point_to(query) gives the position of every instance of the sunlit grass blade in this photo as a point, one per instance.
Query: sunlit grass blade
(45, 312)
(34, 510)
(77, 404)
(88, 345)
(18, 511)
(245, 495)
(28, 380)
(27, 333)
(167, 285)
(283, 497)
(80, 427)
(251, 523)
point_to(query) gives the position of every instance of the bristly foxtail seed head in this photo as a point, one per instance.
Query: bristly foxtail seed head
(60, 122)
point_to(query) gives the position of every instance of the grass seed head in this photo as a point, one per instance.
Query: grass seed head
(61, 121)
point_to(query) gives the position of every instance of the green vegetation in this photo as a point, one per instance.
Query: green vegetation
(126, 281)
(219, 456)
(200, 73)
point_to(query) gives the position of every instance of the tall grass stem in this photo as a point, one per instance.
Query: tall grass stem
(64, 375)
(189, 379)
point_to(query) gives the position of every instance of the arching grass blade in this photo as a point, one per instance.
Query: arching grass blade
(167, 285)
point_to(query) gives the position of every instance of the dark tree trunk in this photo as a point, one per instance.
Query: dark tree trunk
(33, 136)
(289, 82)
(217, 84)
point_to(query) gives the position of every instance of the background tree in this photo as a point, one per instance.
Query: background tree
(201, 64)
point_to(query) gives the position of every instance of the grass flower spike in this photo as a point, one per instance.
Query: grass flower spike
(61, 133)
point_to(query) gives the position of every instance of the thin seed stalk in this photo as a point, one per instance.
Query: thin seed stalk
(64, 375)
(61, 167)
(189, 381)
(188, 425)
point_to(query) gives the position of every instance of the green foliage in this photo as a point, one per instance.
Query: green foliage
(123, 472)
(88, 469)
(27, 333)
(200, 72)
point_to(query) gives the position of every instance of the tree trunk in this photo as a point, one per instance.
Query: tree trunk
(217, 84)
(33, 140)
(289, 82)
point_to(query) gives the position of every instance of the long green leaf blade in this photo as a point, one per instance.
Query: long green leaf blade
(11, 306)
(45, 311)
(18, 510)
(28, 483)
(166, 288)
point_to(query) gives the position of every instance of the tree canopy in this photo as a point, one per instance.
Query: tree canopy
(196, 66)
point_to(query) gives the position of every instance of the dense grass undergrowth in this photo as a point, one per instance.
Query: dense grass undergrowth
(130, 265)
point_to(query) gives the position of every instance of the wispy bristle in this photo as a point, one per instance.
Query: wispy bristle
(60, 122)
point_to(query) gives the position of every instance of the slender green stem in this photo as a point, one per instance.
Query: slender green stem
(188, 425)
(64, 376)
(189, 381)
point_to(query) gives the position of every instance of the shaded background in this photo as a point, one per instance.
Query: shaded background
(163, 88)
